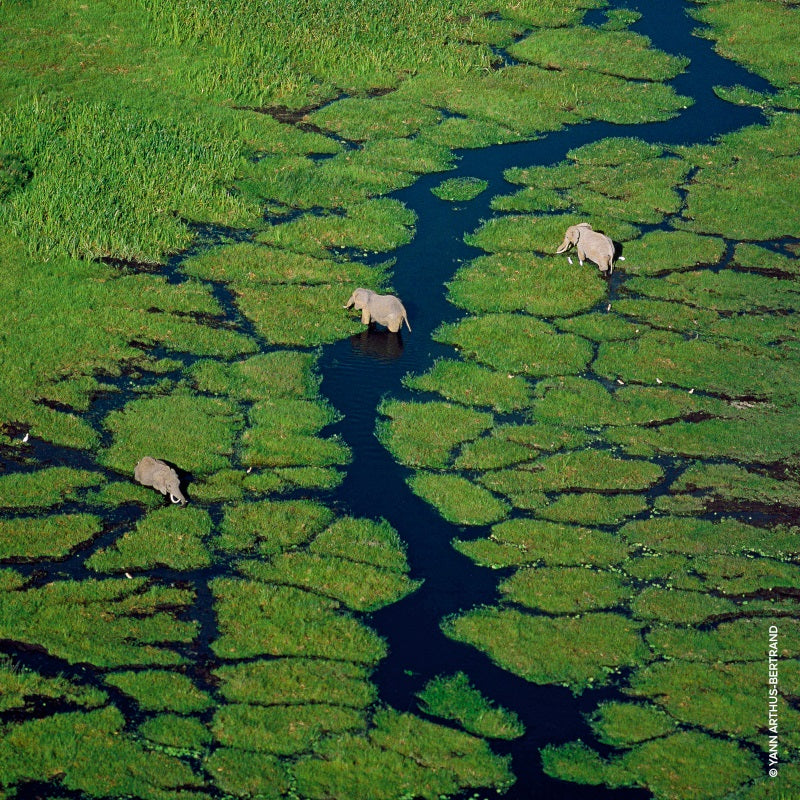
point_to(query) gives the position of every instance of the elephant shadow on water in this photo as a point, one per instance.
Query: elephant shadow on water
(379, 344)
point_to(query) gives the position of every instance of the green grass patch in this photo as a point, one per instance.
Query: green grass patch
(666, 251)
(518, 281)
(719, 367)
(268, 526)
(588, 469)
(565, 590)
(362, 587)
(259, 619)
(731, 482)
(426, 434)
(282, 730)
(107, 623)
(193, 432)
(246, 264)
(168, 537)
(735, 641)
(363, 541)
(375, 226)
(72, 745)
(591, 647)
(591, 508)
(751, 256)
(627, 724)
(247, 773)
(679, 607)
(45, 488)
(291, 681)
(31, 538)
(161, 690)
(729, 183)
(524, 541)
(454, 697)
(402, 754)
(703, 536)
(473, 385)
(177, 735)
(622, 53)
(518, 344)
(457, 499)
(459, 190)
(20, 687)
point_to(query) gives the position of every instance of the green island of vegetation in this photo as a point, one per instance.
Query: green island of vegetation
(188, 193)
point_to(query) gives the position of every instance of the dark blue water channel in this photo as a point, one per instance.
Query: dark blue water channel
(359, 372)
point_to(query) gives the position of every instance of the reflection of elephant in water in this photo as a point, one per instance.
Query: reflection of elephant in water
(591, 245)
(161, 476)
(381, 345)
(383, 308)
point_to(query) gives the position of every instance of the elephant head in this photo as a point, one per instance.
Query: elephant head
(591, 245)
(160, 476)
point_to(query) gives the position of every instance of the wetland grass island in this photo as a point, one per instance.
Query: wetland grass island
(544, 546)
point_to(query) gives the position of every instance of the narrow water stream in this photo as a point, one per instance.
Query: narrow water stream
(359, 372)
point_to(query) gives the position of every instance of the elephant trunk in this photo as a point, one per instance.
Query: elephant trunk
(565, 245)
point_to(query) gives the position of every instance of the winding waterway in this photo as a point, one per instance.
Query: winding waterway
(359, 372)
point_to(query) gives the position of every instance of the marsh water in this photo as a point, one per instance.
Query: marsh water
(357, 373)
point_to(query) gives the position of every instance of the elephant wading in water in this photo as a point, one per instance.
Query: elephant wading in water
(385, 309)
(161, 476)
(591, 245)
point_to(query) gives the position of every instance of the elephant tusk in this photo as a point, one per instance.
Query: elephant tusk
(174, 499)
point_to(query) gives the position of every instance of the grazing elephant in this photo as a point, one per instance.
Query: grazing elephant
(591, 245)
(383, 308)
(161, 476)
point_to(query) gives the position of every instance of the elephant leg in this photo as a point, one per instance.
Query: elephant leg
(394, 325)
(365, 316)
(581, 255)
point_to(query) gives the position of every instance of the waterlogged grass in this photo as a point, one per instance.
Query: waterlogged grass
(591, 508)
(454, 697)
(376, 226)
(176, 735)
(732, 482)
(73, 744)
(45, 488)
(268, 526)
(247, 773)
(282, 730)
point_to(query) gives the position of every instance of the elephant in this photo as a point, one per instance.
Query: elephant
(161, 476)
(591, 245)
(383, 308)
